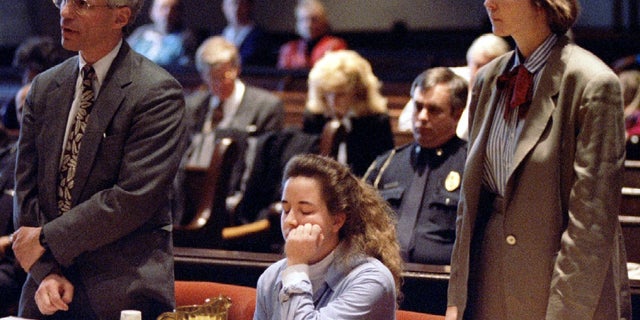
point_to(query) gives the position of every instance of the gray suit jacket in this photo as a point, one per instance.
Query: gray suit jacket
(111, 244)
(562, 197)
(259, 111)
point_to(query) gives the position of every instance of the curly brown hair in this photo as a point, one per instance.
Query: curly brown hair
(369, 228)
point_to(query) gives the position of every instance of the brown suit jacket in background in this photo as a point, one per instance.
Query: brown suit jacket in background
(562, 196)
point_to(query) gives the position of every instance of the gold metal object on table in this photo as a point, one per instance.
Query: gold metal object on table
(212, 309)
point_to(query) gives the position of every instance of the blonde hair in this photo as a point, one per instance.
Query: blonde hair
(489, 45)
(369, 228)
(345, 69)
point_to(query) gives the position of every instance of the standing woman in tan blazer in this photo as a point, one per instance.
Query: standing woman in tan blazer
(538, 235)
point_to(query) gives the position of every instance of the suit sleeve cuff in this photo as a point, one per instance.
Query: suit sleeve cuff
(45, 266)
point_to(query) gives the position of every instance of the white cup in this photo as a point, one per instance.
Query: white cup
(130, 315)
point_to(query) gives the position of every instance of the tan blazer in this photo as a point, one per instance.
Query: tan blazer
(562, 198)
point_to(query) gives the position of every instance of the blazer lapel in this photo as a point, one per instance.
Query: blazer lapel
(480, 129)
(244, 115)
(541, 109)
(109, 100)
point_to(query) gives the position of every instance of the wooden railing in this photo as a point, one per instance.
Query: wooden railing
(244, 268)
(630, 209)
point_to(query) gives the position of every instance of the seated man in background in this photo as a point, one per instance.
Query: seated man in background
(630, 82)
(312, 25)
(228, 103)
(166, 41)
(421, 180)
(250, 38)
(483, 49)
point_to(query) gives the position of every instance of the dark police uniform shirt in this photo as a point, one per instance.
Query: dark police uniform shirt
(391, 174)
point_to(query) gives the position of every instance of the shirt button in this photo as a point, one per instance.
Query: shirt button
(511, 240)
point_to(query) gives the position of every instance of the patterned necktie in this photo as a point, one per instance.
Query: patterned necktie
(69, 160)
(519, 85)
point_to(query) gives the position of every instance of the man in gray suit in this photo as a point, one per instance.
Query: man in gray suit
(96, 159)
(228, 102)
(228, 107)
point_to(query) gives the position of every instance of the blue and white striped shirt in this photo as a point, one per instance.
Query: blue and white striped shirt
(501, 144)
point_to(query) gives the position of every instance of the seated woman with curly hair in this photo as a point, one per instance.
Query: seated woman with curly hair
(342, 257)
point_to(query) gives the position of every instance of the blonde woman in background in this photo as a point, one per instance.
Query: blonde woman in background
(342, 86)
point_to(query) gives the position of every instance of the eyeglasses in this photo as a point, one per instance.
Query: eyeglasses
(79, 6)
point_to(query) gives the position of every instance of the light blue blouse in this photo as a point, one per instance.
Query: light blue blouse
(366, 290)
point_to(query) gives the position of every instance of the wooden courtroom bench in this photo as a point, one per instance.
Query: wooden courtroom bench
(630, 209)
(275, 79)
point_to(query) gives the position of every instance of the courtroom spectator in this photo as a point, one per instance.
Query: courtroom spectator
(34, 55)
(342, 259)
(37, 54)
(228, 102)
(421, 180)
(11, 274)
(252, 41)
(630, 81)
(538, 235)
(20, 100)
(312, 25)
(483, 49)
(166, 41)
(100, 142)
(342, 87)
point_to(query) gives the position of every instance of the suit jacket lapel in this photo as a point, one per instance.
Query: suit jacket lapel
(541, 109)
(487, 114)
(109, 100)
(480, 130)
(244, 115)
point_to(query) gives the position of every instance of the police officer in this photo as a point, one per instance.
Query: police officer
(421, 180)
